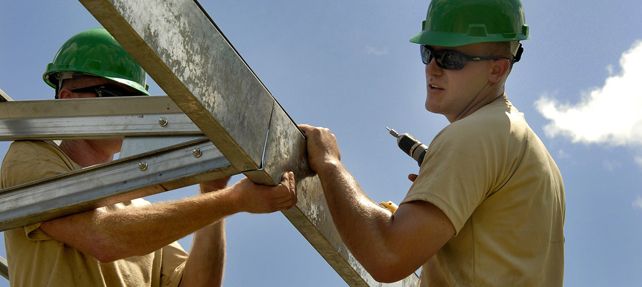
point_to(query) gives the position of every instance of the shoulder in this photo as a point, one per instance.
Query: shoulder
(29, 146)
(26, 148)
(39, 151)
(490, 124)
(32, 160)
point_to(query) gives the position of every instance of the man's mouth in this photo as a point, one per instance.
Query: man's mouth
(433, 86)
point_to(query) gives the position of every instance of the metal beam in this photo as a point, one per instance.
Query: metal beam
(89, 107)
(86, 127)
(192, 61)
(194, 64)
(121, 180)
(4, 268)
(94, 118)
(4, 97)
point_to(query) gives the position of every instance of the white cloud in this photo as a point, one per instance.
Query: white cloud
(376, 51)
(637, 203)
(609, 114)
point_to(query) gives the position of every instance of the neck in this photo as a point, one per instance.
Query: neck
(478, 101)
(84, 153)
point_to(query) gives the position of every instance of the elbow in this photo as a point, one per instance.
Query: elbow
(388, 269)
(105, 253)
(388, 276)
(105, 257)
(106, 250)
(109, 253)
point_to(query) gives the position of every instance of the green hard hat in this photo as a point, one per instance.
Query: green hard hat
(95, 52)
(452, 23)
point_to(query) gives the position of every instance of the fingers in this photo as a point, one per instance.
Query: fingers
(309, 130)
(288, 186)
(305, 128)
(256, 198)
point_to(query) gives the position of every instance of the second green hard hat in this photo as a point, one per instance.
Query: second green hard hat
(452, 23)
(95, 52)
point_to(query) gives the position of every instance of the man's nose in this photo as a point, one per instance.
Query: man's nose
(433, 69)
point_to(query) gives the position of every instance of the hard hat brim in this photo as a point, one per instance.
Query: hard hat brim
(455, 39)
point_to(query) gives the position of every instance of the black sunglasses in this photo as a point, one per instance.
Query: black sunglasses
(103, 91)
(451, 59)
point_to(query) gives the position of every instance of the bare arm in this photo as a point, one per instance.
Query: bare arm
(111, 235)
(206, 263)
(389, 246)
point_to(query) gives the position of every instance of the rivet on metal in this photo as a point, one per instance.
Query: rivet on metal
(197, 152)
(163, 122)
(142, 166)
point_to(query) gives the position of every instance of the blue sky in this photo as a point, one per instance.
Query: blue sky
(348, 65)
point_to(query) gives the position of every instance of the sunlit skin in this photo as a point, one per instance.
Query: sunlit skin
(103, 149)
(458, 93)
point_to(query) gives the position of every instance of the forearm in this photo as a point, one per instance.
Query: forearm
(115, 234)
(363, 225)
(206, 262)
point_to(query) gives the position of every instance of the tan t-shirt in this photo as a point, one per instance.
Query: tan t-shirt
(35, 259)
(496, 182)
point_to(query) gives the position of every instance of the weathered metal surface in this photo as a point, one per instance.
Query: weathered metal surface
(195, 65)
(111, 183)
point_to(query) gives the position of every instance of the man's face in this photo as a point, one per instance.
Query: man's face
(69, 91)
(451, 92)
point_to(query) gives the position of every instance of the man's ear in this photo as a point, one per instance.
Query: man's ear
(64, 93)
(498, 70)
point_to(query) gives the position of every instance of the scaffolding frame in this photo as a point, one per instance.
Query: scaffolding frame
(213, 96)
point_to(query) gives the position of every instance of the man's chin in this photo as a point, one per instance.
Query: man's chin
(430, 108)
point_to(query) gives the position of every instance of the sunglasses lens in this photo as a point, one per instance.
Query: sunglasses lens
(426, 55)
(452, 60)
(104, 92)
(445, 59)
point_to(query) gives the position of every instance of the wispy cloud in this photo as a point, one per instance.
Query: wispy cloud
(609, 114)
(376, 51)
(637, 203)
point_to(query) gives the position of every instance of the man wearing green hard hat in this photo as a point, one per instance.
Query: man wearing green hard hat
(132, 243)
(487, 207)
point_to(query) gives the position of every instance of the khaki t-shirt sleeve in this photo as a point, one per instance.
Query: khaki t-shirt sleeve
(174, 259)
(455, 176)
(28, 161)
